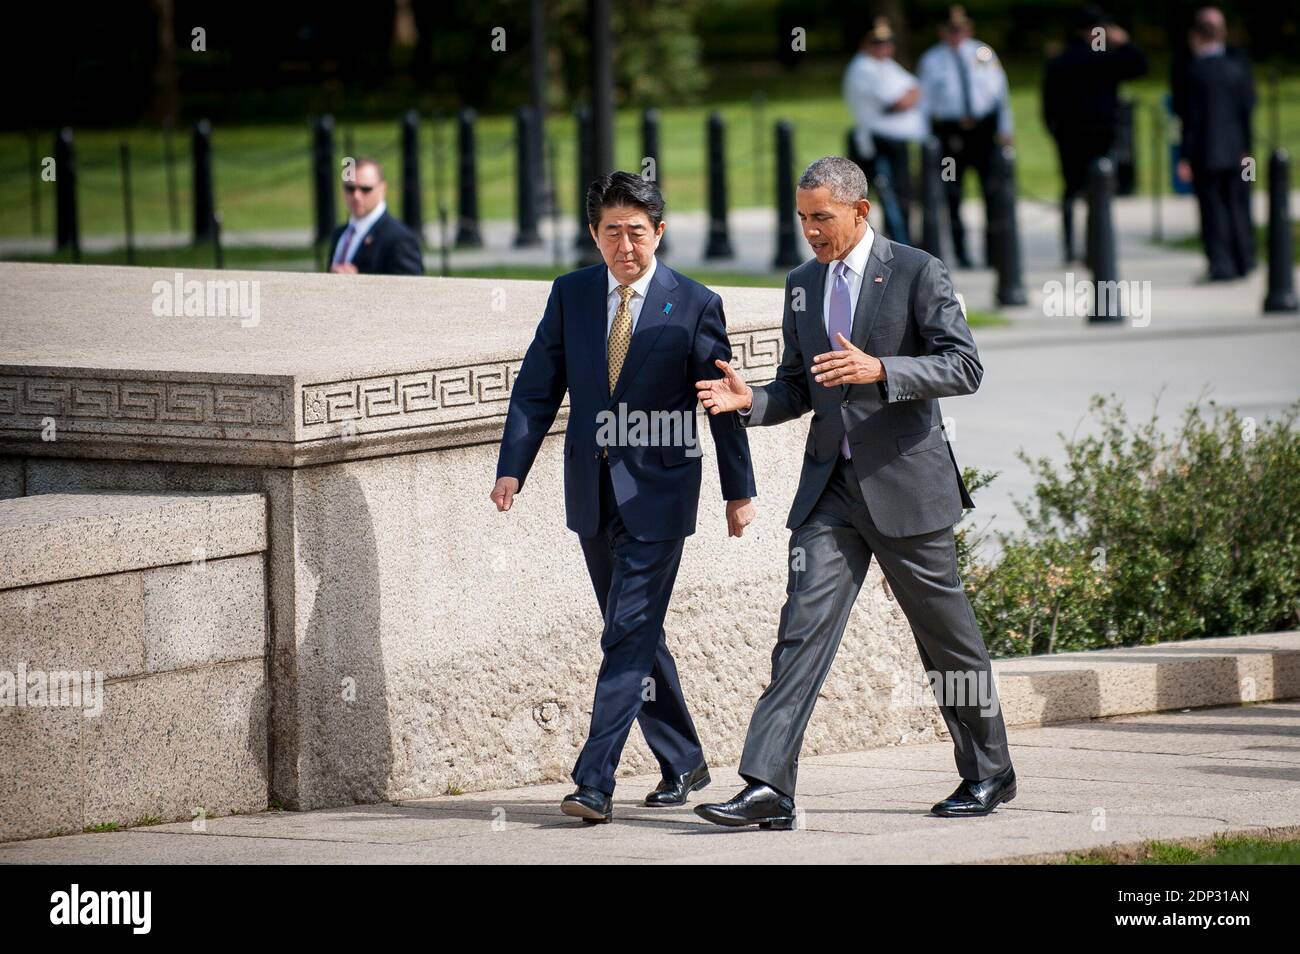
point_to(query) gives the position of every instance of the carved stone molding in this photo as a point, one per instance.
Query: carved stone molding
(276, 420)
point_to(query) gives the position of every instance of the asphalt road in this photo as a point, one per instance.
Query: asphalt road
(1033, 390)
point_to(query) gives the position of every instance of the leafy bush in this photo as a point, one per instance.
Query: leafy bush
(1141, 537)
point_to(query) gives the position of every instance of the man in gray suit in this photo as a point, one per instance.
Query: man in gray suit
(873, 337)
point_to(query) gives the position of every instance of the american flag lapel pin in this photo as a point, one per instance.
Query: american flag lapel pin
(880, 279)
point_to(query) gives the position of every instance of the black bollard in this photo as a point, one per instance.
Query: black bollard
(719, 245)
(650, 150)
(218, 253)
(201, 181)
(1281, 280)
(526, 180)
(1123, 149)
(169, 161)
(128, 212)
(787, 241)
(553, 209)
(322, 177)
(467, 230)
(1157, 171)
(1106, 305)
(439, 195)
(1005, 253)
(67, 222)
(934, 204)
(34, 181)
(412, 197)
(582, 125)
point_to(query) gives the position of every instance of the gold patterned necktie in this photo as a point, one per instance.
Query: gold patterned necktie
(620, 334)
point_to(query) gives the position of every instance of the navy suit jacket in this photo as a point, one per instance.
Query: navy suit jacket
(389, 248)
(681, 330)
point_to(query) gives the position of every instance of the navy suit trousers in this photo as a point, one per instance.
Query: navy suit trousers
(638, 678)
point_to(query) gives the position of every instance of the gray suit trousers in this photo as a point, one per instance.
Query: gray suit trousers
(829, 556)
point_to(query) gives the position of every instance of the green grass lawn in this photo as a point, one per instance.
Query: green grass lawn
(261, 172)
(1280, 847)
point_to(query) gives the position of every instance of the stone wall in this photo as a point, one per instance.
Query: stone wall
(133, 644)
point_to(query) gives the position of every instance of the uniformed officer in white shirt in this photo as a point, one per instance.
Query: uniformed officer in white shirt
(885, 101)
(965, 93)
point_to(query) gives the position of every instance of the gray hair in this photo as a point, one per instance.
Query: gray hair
(841, 176)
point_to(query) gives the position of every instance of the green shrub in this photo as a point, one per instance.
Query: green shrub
(1141, 537)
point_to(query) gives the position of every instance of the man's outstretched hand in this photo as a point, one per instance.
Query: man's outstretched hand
(727, 393)
(851, 365)
(503, 494)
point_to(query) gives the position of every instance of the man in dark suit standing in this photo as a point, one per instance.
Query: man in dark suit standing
(372, 242)
(627, 339)
(1215, 100)
(873, 338)
(1081, 101)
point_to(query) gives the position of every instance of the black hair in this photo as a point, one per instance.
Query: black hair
(624, 188)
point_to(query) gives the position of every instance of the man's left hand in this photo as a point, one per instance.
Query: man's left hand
(740, 514)
(850, 365)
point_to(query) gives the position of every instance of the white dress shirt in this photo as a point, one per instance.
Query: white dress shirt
(360, 227)
(856, 268)
(941, 83)
(871, 86)
(639, 287)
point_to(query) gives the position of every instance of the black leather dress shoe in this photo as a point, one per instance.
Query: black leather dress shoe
(673, 791)
(590, 804)
(760, 805)
(972, 799)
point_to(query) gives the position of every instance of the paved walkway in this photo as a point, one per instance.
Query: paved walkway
(1115, 781)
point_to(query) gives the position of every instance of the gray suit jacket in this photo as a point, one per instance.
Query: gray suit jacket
(907, 317)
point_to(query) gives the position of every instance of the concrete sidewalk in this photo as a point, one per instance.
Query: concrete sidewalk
(1081, 785)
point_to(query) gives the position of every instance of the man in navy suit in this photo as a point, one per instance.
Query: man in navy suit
(627, 340)
(372, 242)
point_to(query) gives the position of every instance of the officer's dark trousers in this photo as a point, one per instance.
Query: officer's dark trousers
(829, 556)
(892, 165)
(1077, 150)
(638, 678)
(969, 148)
(1226, 232)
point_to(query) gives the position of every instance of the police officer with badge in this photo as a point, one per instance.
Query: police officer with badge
(965, 93)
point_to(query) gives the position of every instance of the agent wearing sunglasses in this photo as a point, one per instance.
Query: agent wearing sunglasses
(372, 242)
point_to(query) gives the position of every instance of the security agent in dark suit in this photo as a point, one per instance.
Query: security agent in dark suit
(1081, 101)
(372, 242)
(627, 339)
(1215, 99)
(873, 338)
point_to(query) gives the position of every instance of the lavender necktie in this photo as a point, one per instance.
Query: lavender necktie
(345, 243)
(840, 320)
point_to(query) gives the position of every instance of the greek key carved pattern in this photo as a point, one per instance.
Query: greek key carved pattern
(486, 387)
(481, 390)
(104, 403)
